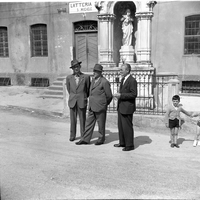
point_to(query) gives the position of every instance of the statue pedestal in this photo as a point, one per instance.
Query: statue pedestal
(127, 55)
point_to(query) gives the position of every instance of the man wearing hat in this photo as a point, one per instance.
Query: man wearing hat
(99, 99)
(78, 85)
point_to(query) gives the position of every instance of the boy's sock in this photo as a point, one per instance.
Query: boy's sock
(195, 143)
(172, 141)
(175, 139)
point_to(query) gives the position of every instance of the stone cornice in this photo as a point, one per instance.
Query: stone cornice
(144, 15)
(106, 17)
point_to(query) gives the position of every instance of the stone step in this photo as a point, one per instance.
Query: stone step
(60, 78)
(54, 92)
(56, 87)
(57, 83)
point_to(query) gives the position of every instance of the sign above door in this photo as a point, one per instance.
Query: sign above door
(82, 7)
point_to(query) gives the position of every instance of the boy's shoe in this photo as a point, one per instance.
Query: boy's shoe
(199, 143)
(172, 145)
(195, 143)
(176, 145)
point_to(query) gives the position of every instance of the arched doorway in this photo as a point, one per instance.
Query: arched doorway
(86, 44)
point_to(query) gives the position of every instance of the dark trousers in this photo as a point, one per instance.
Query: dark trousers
(125, 127)
(92, 118)
(73, 120)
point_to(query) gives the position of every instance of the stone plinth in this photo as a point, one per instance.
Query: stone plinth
(127, 55)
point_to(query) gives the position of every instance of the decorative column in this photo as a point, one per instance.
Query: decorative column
(106, 22)
(144, 34)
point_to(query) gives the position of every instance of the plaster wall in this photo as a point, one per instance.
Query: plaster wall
(18, 17)
(168, 25)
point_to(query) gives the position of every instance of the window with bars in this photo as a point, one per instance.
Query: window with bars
(192, 35)
(40, 82)
(191, 87)
(3, 42)
(39, 46)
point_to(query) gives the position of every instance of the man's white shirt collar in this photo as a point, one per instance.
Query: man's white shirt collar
(126, 78)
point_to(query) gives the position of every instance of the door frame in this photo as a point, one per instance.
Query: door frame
(85, 26)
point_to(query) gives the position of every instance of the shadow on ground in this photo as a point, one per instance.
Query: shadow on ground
(113, 136)
(181, 140)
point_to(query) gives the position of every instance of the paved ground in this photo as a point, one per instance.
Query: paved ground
(39, 163)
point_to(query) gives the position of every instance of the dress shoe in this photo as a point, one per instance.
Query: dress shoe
(71, 139)
(98, 143)
(81, 142)
(119, 145)
(128, 149)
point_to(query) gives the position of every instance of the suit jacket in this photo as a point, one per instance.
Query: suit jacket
(100, 95)
(126, 102)
(78, 93)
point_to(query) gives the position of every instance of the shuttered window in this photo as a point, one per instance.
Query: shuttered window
(39, 43)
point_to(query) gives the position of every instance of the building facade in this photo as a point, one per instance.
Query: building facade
(39, 39)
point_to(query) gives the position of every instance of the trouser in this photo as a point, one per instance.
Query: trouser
(73, 120)
(125, 128)
(92, 118)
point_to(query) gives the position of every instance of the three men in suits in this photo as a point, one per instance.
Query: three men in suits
(99, 99)
(126, 107)
(78, 85)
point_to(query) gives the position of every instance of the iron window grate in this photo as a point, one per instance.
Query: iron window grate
(85, 26)
(191, 87)
(40, 82)
(4, 81)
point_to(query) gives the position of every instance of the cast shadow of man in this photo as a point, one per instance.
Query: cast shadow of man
(109, 137)
(142, 140)
(113, 136)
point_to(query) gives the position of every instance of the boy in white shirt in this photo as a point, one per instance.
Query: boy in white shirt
(173, 119)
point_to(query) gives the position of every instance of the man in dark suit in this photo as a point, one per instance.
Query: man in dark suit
(99, 99)
(126, 107)
(78, 85)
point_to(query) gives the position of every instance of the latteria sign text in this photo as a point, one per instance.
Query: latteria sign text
(82, 7)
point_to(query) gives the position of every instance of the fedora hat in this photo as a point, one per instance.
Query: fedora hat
(98, 67)
(74, 62)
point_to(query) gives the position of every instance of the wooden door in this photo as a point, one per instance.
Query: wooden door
(86, 48)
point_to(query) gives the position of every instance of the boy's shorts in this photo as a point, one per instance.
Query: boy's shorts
(198, 123)
(174, 123)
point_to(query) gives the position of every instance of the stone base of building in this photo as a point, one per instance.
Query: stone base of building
(26, 78)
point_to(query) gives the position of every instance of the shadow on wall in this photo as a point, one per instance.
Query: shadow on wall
(20, 78)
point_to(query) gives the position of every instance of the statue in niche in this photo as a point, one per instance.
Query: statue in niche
(127, 28)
